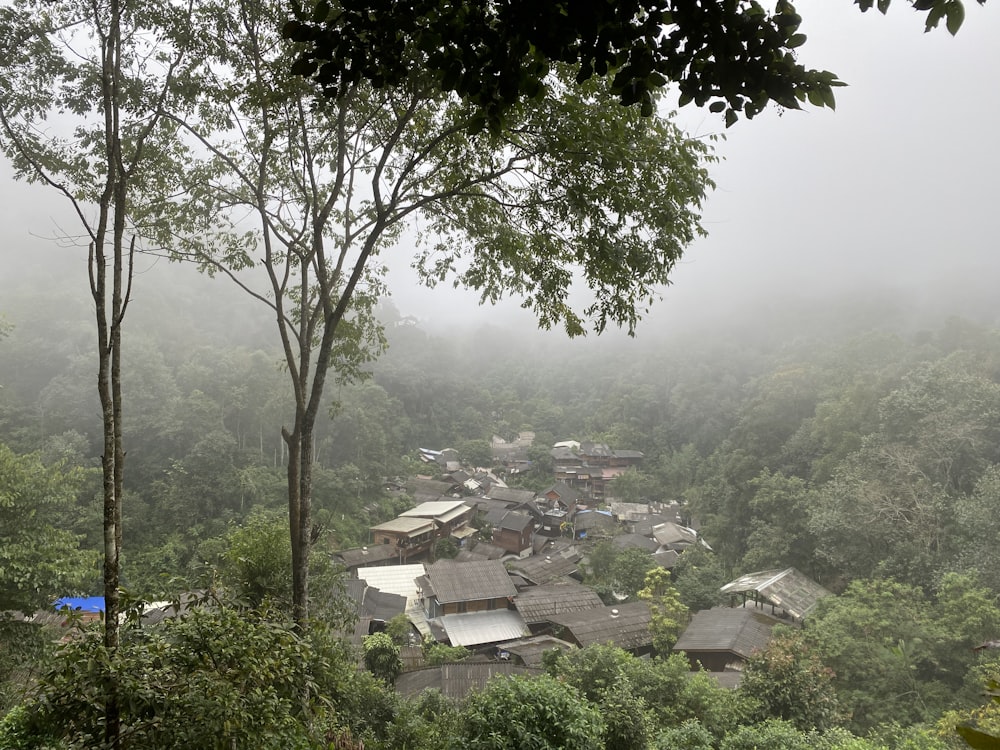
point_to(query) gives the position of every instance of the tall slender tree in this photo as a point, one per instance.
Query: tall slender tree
(81, 90)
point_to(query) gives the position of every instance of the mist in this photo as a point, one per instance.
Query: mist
(883, 207)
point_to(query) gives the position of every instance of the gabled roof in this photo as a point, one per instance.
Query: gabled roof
(456, 681)
(538, 603)
(541, 570)
(513, 521)
(452, 581)
(441, 511)
(674, 535)
(593, 519)
(482, 551)
(511, 495)
(565, 493)
(624, 625)
(478, 628)
(734, 630)
(787, 589)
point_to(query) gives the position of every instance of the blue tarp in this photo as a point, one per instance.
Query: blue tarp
(83, 603)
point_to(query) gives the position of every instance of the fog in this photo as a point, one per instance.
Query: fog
(889, 201)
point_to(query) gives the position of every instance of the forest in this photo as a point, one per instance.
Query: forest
(862, 453)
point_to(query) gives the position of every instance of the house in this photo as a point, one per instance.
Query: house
(450, 587)
(635, 541)
(590, 466)
(536, 604)
(513, 533)
(449, 517)
(588, 523)
(557, 505)
(788, 593)
(624, 625)
(401, 580)
(407, 537)
(722, 638)
(413, 533)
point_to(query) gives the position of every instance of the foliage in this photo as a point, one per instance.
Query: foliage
(399, 629)
(520, 712)
(516, 43)
(690, 735)
(698, 576)
(24, 647)
(239, 673)
(429, 721)
(445, 548)
(789, 682)
(629, 571)
(381, 656)
(39, 562)
(436, 653)
(897, 654)
(669, 614)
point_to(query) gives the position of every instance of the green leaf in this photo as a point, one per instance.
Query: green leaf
(955, 17)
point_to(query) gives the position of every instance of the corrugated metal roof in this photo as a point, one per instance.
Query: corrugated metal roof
(788, 589)
(396, 579)
(477, 628)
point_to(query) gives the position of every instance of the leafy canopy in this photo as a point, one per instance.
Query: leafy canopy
(735, 55)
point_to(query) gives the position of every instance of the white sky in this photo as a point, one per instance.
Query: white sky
(895, 187)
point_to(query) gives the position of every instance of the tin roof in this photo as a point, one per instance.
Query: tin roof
(787, 589)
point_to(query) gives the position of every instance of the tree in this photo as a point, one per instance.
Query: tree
(39, 561)
(531, 210)
(382, 657)
(94, 64)
(237, 672)
(518, 712)
(630, 569)
(789, 682)
(736, 55)
(669, 615)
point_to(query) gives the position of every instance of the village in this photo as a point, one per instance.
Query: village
(512, 586)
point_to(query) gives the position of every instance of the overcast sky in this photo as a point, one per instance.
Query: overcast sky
(896, 187)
